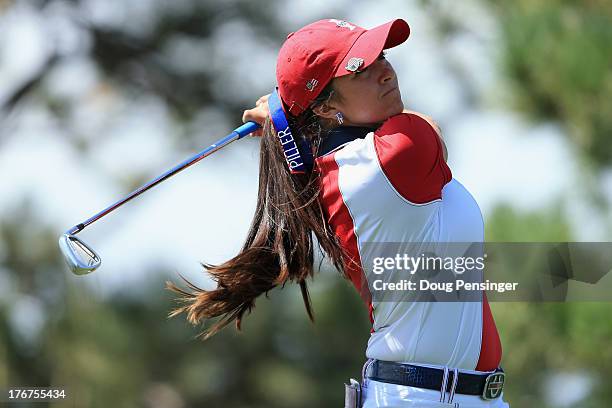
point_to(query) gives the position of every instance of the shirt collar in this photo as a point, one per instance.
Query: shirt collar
(341, 135)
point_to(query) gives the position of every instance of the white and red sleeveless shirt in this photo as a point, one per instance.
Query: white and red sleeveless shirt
(393, 185)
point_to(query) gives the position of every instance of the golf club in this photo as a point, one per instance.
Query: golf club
(81, 258)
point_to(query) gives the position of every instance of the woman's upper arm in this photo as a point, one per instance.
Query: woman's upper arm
(435, 127)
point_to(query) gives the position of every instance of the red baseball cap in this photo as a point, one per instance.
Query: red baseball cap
(326, 49)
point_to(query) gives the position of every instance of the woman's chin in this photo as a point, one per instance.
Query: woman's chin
(397, 105)
(398, 108)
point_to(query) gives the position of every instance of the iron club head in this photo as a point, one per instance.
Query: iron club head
(79, 256)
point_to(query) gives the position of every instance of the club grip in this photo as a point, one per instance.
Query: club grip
(246, 129)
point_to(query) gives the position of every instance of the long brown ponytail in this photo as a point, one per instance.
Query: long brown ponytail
(279, 246)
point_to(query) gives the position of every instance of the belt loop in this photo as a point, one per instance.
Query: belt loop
(364, 369)
(444, 382)
(454, 385)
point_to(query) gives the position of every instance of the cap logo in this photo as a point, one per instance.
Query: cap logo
(354, 64)
(342, 23)
(310, 85)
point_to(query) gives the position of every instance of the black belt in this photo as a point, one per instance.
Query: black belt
(488, 386)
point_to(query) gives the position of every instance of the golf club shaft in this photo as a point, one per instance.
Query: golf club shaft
(238, 133)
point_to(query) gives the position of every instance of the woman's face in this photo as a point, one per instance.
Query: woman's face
(369, 97)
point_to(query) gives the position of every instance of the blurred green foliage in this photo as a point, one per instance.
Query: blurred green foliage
(542, 339)
(557, 55)
(122, 351)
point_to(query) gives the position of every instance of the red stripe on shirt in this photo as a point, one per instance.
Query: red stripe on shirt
(341, 222)
(490, 347)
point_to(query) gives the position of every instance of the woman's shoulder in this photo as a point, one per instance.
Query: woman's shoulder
(419, 131)
(412, 156)
(408, 122)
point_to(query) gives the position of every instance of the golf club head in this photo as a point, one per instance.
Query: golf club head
(79, 256)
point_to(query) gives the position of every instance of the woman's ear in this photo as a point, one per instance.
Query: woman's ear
(325, 111)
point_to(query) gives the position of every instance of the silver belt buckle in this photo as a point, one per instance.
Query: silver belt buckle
(494, 384)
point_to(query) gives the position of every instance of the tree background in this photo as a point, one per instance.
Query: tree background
(97, 97)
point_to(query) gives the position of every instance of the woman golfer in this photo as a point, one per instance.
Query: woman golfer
(342, 160)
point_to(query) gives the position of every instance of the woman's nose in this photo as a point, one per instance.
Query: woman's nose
(387, 73)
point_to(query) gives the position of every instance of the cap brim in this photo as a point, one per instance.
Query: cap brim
(371, 43)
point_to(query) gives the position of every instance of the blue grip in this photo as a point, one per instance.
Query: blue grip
(246, 129)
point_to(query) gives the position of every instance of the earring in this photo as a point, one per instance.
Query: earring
(339, 118)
